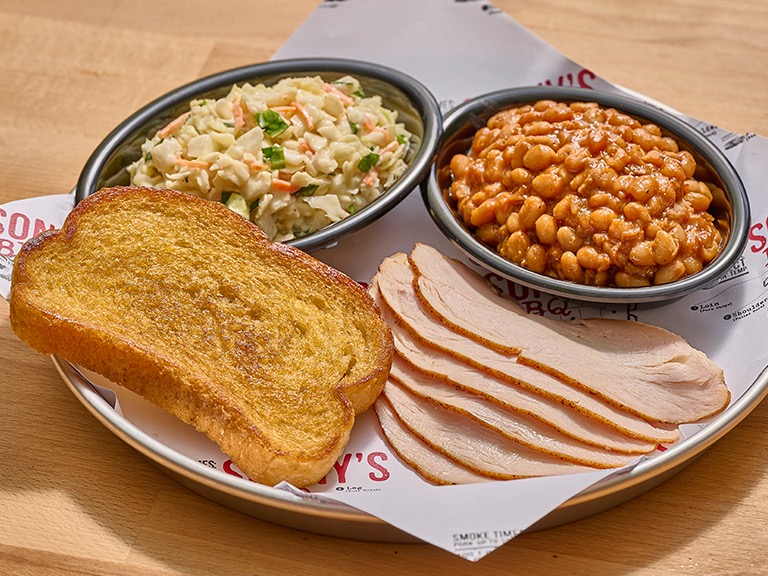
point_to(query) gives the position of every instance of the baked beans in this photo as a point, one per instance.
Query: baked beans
(586, 194)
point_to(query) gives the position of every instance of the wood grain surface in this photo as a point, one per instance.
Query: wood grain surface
(75, 500)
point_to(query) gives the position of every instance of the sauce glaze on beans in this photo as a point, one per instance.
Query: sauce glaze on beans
(586, 194)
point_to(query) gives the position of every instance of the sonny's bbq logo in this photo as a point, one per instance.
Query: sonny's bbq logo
(16, 228)
(758, 237)
(581, 79)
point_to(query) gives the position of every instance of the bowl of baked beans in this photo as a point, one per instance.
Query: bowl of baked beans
(588, 195)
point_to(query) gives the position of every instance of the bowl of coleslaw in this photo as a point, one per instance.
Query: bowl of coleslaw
(309, 150)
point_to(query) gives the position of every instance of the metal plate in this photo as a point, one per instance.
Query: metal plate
(281, 507)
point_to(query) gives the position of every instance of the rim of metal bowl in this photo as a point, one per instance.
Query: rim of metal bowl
(476, 111)
(417, 95)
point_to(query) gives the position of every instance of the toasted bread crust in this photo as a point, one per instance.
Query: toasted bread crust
(266, 350)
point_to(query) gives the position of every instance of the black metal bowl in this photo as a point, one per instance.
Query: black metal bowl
(459, 126)
(415, 105)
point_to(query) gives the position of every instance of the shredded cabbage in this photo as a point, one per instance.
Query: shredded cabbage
(294, 157)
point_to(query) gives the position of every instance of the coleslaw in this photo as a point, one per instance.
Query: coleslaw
(292, 158)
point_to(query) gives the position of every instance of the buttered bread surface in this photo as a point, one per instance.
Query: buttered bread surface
(265, 349)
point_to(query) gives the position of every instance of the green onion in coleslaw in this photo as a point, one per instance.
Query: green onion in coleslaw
(292, 158)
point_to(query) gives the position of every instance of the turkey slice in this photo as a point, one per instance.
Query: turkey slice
(518, 426)
(642, 368)
(392, 288)
(469, 443)
(430, 464)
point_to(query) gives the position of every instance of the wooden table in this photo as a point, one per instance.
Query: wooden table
(76, 500)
